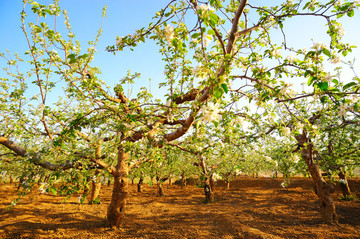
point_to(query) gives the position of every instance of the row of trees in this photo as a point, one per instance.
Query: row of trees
(231, 104)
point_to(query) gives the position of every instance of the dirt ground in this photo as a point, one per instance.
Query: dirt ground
(251, 208)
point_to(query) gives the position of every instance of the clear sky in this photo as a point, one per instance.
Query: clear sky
(123, 17)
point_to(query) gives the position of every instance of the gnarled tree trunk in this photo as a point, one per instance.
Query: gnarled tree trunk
(344, 186)
(116, 210)
(140, 183)
(322, 188)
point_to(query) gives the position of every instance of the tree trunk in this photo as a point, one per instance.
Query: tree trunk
(160, 190)
(140, 183)
(209, 196)
(183, 180)
(228, 184)
(95, 189)
(116, 210)
(11, 179)
(344, 186)
(212, 183)
(322, 188)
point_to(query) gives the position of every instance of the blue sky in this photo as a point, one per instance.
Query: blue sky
(123, 17)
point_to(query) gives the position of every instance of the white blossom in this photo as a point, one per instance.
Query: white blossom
(340, 30)
(169, 33)
(268, 159)
(342, 181)
(118, 40)
(291, 58)
(335, 59)
(343, 108)
(211, 112)
(276, 54)
(318, 46)
(287, 132)
(328, 78)
(289, 2)
(216, 176)
(296, 159)
(338, 3)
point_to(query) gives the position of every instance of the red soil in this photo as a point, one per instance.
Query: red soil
(251, 208)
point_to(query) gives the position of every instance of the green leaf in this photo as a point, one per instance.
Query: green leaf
(348, 85)
(311, 80)
(214, 19)
(323, 99)
(323, 86)
(195, 35)
(327, 52)
(84, 56)
(72, 58)
(225, 87)
(218, 93)
(211, 32)
(351, 13)
(37, 29)
(53, 190)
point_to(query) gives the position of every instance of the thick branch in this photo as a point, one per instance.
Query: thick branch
(36, 159)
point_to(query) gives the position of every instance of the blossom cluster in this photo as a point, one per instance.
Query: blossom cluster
(216, 176)
(211, 112)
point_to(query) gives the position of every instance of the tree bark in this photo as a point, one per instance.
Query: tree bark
(95, 189)
(160, 190)
(116, 210)
(322, 188)
(140, 183)
(344, 186)
(212, 183)
(183, 179)
(209, 195)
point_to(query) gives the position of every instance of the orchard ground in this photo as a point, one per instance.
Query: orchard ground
(251, 208)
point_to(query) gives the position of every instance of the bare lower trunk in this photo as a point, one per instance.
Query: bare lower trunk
(209, 195)
(116, 210)
(183, 180)
(140, 183)
(11, 179)
(160, 190)
(95, 191)
(344, 186)
(228, 184)
(322, 188)
(212, 183)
